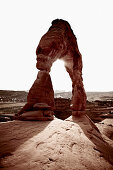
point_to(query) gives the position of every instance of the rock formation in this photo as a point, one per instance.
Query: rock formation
(72, 144)
(40, 99)
(58, 43)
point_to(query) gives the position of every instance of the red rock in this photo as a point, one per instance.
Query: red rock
(41, 94)
(48, 113)
(42, 106)
(42, 90)
(78, 113)
(58, 43)
(36, 115)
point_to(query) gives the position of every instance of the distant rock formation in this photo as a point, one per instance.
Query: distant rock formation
(58, 43)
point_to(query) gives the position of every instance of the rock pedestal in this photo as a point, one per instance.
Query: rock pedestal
(58, 43)
(40, 99)
(42, 90)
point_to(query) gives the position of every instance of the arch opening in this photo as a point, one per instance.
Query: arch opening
(61, 80)
(62, 86)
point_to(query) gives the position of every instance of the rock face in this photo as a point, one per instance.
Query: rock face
(40, 98)
(72, 144)
(42, 90)
(58, 43)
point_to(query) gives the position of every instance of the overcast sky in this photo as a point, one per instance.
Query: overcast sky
(22, 24)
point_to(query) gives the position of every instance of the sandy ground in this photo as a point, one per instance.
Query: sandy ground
(72, 144)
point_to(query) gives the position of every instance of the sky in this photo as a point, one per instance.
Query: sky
(24, 22)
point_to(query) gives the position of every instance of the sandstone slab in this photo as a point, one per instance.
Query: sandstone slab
(52, 145)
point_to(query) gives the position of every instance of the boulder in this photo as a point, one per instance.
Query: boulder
(36, 115)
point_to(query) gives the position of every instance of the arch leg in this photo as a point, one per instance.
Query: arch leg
(74, 68)
(78, 94)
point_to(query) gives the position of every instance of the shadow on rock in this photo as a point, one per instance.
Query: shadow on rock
(94, 135)
(15, 133)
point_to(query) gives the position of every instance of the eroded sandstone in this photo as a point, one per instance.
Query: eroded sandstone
(74, 143)
(58, 43)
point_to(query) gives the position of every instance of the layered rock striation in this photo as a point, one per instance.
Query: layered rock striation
(58, 43)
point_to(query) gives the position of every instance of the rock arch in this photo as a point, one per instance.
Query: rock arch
(58, 43)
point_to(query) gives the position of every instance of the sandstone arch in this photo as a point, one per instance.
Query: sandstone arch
(58, 43)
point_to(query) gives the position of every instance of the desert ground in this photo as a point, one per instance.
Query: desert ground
(66, 143)
(99, 104)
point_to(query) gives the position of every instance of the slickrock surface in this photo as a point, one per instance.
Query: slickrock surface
(73, 144)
